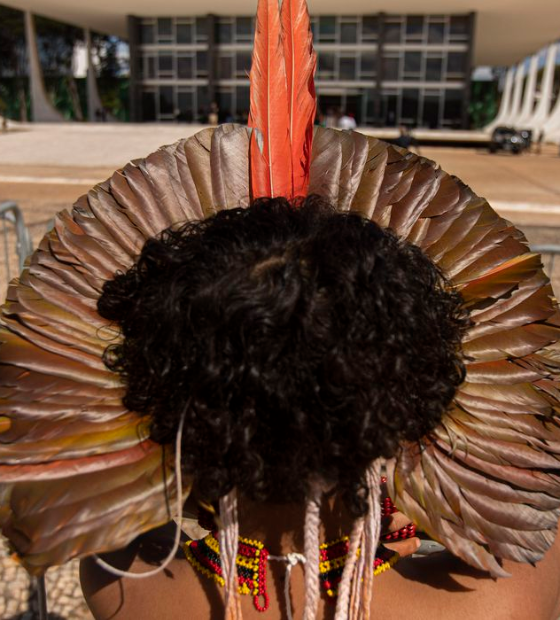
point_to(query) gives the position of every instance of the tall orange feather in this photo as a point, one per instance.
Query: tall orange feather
(301, 62)
(271, 164)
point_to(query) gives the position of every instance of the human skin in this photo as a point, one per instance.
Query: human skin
(431, 588)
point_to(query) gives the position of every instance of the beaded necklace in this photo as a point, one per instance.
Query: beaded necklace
(252, 558)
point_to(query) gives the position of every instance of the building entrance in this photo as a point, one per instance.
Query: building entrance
(341, 103)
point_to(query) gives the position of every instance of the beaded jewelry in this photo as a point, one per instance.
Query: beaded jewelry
(252, 558)
(333, 558)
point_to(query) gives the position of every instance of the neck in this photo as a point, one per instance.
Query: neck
(280, 527)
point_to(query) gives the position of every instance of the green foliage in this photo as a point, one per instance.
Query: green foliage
(56, 42)
(484, 103)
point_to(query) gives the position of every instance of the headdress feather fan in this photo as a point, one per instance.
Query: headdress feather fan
(79, 473)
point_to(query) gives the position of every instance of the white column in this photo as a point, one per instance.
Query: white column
(505, 104)
(94, 100)
(517, 92)
(529, 95)
(552, 126)
(42, 110)
(542, 111)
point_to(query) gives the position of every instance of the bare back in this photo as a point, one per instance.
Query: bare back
(431, 588)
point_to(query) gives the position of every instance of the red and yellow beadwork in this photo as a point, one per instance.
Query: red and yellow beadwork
(252, 558)
(333, 558)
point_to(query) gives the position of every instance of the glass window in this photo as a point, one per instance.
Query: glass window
(149, 106)
(315, 29)
(327, 29)
(370, 105)
(459, 27)
(225, 105)
(201, 29)
(369, 64)
(165, 65)
(184, 33)
(370, 26)
(243, 64)
(393, 32)
(348, 32)
(151, 67)
(347, 68)
(185, 104)
(165, 27)
(244, 28)
(225, 68)
(391, 69)
(453, 107)
(430, 112)
(166, 105)
(434, 69)
(410, 100)
(201, 64)
(243, 102)
(203, 104)
(225, 31)
(147, 35)
(456, 63)
(413, 62)
(390, 112)
(436, 32)
(185, 67)
(326, 65)
(414, 27)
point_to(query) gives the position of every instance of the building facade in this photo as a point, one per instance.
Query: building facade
(383, 69)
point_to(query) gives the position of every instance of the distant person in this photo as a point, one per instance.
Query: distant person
(347, 121)
(539, 143)
(406, 140)
(213, 117)
(330, 119)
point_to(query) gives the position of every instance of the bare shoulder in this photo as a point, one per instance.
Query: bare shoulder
(164, 595)
(442, 586)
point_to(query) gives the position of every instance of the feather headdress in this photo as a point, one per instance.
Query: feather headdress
(79, 473)
(283, 102)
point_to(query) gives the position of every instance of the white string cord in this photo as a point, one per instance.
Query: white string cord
(291, 559)
(229, 544)
(177, 541)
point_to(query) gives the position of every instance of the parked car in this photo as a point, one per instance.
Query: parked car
(510, 139)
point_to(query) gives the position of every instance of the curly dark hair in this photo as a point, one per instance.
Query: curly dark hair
(300, 343)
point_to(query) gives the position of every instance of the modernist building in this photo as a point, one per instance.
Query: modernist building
(383, 69)
(389, 67)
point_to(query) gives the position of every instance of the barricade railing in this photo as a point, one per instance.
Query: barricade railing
(12, 220)
(550, 253)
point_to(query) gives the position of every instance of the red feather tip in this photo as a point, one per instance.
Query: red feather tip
(283, 101)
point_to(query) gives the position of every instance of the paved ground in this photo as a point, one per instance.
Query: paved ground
(47, 167)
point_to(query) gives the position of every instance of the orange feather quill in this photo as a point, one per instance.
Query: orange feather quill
(301, 62)
(282, 100)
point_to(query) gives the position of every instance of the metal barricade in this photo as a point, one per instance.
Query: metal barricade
(550, 253)
(12, 222)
